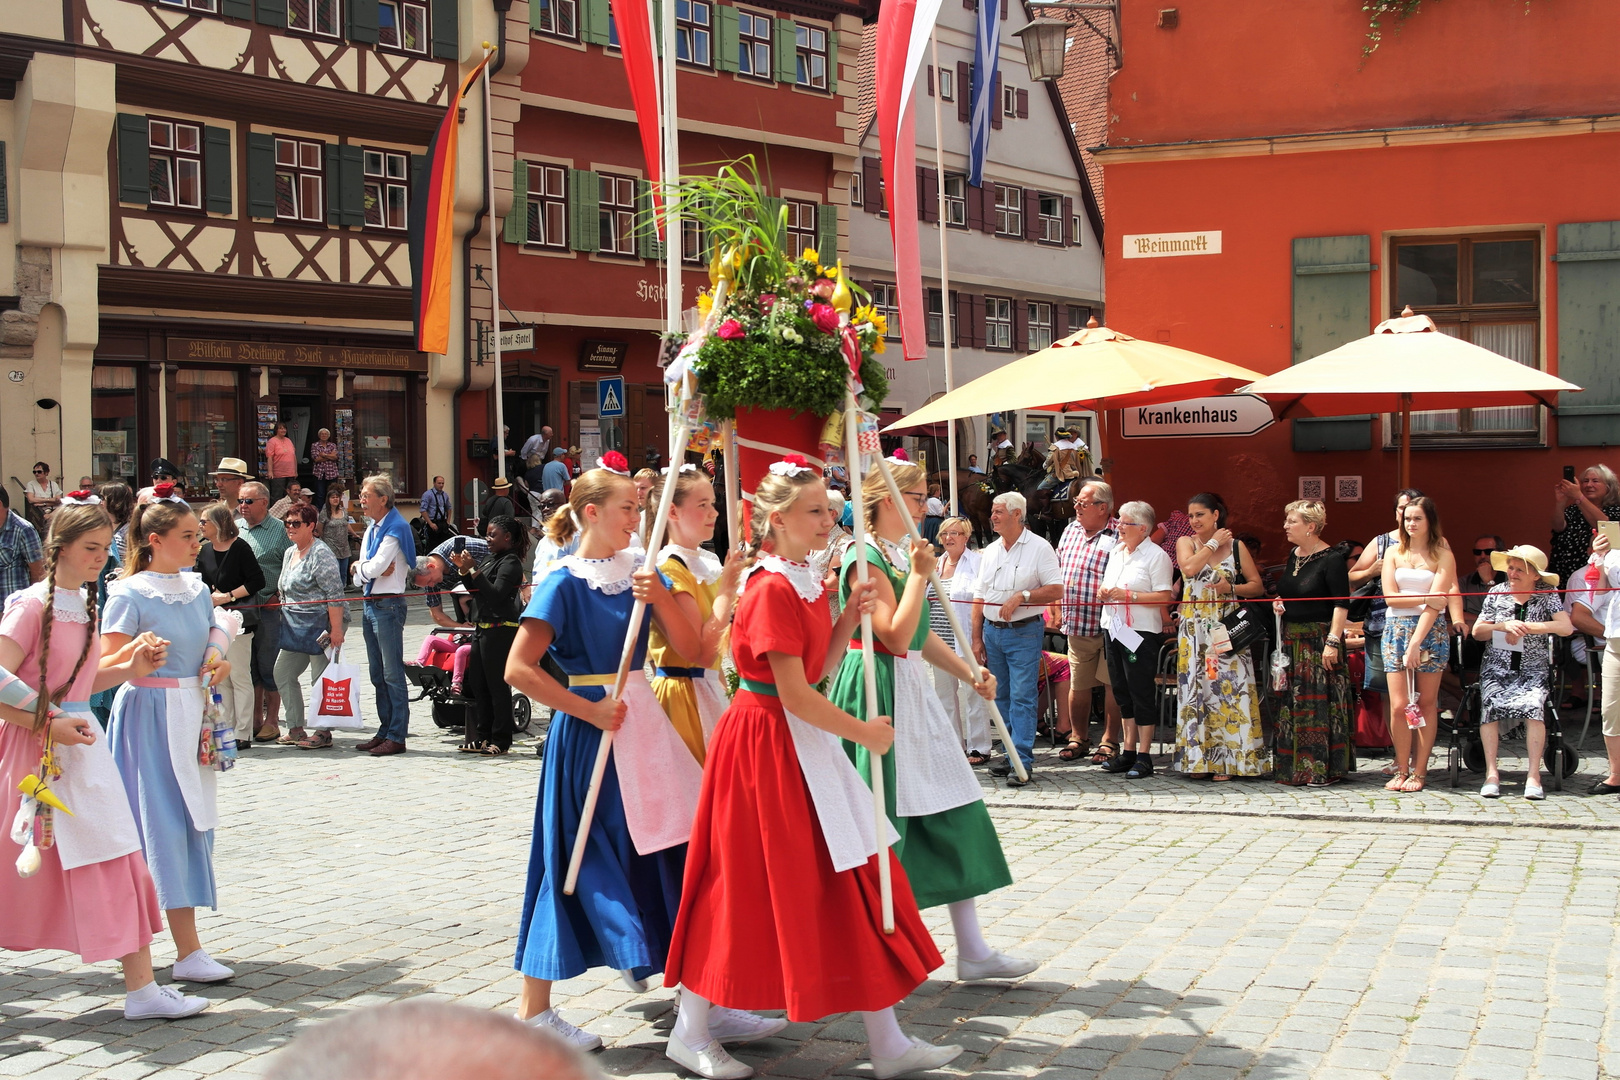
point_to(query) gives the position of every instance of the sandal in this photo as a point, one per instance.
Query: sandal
(1397, 782)
(491, 750)
(321, 740)
(1413, 783)
(976, 759)
(1077, 749)
(1105, 752)
(1221, 778)
(293, 737)
(471, 747)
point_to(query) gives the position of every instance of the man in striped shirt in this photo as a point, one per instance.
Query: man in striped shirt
(1082, 556)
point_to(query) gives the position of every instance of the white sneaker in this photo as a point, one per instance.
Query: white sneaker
(578, 1038)
(1493, 790)
(711, 1062)
(998, 965)
(922, 1057)
(199, 967)
(734, 1026)
(1534, 792)
(162, 1003)
(637, 986)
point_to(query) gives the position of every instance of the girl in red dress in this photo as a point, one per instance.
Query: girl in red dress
(780, 904)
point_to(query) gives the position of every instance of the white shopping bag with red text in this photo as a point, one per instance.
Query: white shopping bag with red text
(334, 701)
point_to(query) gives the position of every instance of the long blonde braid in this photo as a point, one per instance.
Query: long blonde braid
(67, 525)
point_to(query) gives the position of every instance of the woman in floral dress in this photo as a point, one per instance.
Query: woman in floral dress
(1218, 731)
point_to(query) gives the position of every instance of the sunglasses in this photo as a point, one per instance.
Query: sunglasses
(41, 472)
(244, 502)
(1483, 551)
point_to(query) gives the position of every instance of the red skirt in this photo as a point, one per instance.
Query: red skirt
(765, 922)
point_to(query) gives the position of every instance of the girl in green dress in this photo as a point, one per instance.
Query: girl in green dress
(947, 845)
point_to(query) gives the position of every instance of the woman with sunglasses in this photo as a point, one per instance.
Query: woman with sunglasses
(312, 621)
(43, 493)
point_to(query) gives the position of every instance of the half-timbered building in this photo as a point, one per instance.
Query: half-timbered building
(204, 230)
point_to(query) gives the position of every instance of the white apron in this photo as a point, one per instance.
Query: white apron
(931, 773)
(101, 827)
(659, 778)
(711, 701)
(842, 800)
(183, 707)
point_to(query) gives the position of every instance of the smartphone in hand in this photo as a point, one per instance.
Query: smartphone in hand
(1569, 474)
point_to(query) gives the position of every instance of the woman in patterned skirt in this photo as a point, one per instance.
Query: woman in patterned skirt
(1218, 731)
(1316, 715)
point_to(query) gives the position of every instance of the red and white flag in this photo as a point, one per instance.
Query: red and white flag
(904, 27)
(641, 67)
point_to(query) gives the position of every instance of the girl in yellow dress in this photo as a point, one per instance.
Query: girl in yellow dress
(687, 681)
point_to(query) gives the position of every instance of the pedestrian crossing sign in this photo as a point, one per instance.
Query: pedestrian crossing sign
(610, 396)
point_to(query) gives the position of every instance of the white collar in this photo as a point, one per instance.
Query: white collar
(703, 564)
(806, 582)
(1001, 541)
(610, 576)
(169, 588)
(899, 555)
(69, 605)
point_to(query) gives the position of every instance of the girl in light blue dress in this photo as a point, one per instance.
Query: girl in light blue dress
(157, 721)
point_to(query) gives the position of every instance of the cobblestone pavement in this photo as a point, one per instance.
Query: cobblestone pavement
(1194, 931)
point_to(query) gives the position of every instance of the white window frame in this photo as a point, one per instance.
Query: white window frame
(333, 10)
(998, 323)
(402, 9)
(806, 54)
(954, 212)
(751, 44)
(689, 31)
(1051, 231)
(547, 198)
(857, 189)
(1040, 325)
(800, 212)
(303, 176)
(946, 81)
(1009, 101)
(622, 239)
(387, 176)
(886, 300)
(937, 318)
(211, 6)
(1009, 210)
(163, 145)
(548, 20)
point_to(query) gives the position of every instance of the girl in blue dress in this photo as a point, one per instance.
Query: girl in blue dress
(157, 720)
(623, 909)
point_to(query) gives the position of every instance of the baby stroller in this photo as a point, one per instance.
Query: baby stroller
(1461, 727)
(434, 680)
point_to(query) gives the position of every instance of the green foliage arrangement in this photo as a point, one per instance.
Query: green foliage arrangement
(777, 341)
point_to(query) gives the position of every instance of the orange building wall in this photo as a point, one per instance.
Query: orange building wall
(1271, 67)
(1238, 306)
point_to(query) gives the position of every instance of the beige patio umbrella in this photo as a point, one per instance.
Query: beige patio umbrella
(1096, 369)
(1406, 363)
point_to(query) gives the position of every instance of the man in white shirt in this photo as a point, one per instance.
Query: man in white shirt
(387, 552)
(1018, 576)
(535, 448)
(1603, 606)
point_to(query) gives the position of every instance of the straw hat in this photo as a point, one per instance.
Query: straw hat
(501, 484)
(1532, 557)
(233, 466)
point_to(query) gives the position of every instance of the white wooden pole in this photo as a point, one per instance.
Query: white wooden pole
(945, 311)
(852, 422)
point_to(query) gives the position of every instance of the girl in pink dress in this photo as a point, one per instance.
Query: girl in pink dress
(89, 891)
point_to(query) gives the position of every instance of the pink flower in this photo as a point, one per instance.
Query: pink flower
(825, 318)
(822, 289)
(731, 330)
(766, 302)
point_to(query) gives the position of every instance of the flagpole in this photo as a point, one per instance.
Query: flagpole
(945, 312)
(494, 275)
(672, 170)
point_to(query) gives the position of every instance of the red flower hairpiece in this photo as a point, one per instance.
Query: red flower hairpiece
(164, 492)
(82, 497)
(613, 461)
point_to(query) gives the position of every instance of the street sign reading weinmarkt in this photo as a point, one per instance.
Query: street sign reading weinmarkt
(610, 396)
(1229, 415)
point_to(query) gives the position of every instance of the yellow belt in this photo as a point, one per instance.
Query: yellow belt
(592, 680)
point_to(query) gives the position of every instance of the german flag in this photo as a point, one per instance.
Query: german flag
(431, 229)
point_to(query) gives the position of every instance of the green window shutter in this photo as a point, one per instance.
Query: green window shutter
(657, 16)
(363, 21)
(832, 61)
(237, 9)
(272, 12)
(446, 31)
(517, 222)
(786, 48)
(261, 196)
(1332, 306)
(217, 168)
(1588, 268)
(134, 185)
(593, 24)
(536, 9)
(352, 186)
(584, 208)
(827, 233)
(727, 38)
(334, 184)
(648, 246)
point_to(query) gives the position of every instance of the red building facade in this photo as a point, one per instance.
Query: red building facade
(775, 81)
(1465, 167)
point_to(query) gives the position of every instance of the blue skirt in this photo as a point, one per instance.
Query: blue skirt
(622, 912)
(181, 858)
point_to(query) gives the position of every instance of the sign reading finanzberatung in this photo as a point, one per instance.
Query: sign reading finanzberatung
(1205, 417)
(1165, 245)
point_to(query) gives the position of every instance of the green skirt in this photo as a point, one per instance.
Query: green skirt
(949, 856)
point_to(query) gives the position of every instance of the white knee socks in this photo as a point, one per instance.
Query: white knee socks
(883, 1034)
(970, 943)
(692, 1023)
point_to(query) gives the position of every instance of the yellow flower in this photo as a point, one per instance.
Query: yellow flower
(810, 258)
(705, 303)
(878, 347)
(870, 315)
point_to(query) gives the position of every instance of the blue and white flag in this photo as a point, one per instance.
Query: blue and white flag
(986, 60)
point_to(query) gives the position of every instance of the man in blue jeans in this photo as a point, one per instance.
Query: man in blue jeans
(1018, 577)
(387, 553)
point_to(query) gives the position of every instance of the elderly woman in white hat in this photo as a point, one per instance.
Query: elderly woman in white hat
(1515, 676)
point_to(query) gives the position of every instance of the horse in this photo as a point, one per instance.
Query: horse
(1024, 475)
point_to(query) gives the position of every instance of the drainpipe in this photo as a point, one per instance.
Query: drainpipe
(457, 443)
